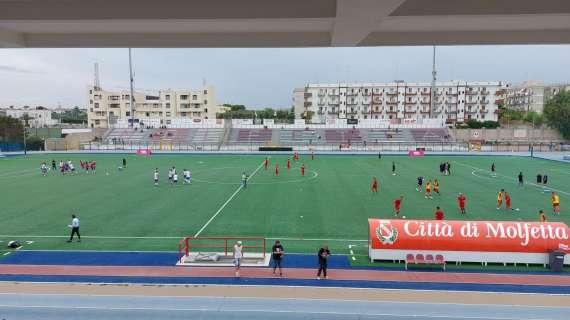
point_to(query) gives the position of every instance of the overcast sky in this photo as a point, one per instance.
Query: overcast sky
(261, 78)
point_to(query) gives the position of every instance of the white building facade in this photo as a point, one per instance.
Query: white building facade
(113, 108)
(532, 95)
(37, 118)
(454, 101)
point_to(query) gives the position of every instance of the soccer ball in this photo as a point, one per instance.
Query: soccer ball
(404, 217)
(517, 209)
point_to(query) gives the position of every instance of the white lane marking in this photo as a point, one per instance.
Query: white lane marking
(510, 178)
(227, 201)
(233, 310)
(6, 253)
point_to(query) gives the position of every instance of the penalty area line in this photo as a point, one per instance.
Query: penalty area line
(226, 203)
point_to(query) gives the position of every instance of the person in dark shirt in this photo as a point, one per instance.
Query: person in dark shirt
(545, 179)
(539, 178)
(124, 163)
(323, 256)
(521, 180)
(393, 168)
(277, 252)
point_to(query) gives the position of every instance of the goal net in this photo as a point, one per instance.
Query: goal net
(218, 251)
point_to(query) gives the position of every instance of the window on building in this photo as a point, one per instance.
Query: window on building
(167, 97)
(90, 91)
(184, 97)
(206, 110)
(168, 105)
(183, 114)
(205, 91)
(97, 122)
(168, 114)
(90, 101)
(205, 101)
(127, 114)
(194, 97)
(148, 114)
(96, 105)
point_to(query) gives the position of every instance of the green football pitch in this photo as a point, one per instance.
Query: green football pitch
(122, 209)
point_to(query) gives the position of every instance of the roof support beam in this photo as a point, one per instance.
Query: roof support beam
(356, 19)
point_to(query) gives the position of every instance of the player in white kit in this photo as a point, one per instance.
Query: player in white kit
(156, 175)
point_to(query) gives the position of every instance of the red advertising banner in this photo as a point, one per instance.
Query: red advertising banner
(416, 153)
(481, 236)
(144, 152)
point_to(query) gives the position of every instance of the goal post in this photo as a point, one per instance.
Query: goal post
(218, 251)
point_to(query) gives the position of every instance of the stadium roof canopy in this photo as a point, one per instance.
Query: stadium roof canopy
(280, 23)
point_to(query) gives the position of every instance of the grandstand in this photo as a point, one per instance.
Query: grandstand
(236, 135)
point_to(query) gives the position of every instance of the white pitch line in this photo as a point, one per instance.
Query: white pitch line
(227, 201)
(179, 237)
(510, 178)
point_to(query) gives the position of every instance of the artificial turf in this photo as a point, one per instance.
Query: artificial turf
(330, 205)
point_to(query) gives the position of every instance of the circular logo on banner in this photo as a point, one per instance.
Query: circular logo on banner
(475, 133)
(386, 233)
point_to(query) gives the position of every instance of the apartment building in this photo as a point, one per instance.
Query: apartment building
(532, 95)
(38, 117)
(454, 101)
(108, 108)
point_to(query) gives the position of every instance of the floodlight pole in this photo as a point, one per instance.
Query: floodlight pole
(433, 79)
(132, 90)
(25, 147)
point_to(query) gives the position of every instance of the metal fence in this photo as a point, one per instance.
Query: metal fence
(361, 147)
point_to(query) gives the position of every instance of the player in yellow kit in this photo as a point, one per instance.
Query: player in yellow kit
(500, 199)
(555, 199)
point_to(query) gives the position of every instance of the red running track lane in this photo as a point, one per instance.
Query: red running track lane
(291, 273)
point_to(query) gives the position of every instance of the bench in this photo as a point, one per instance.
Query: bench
(420, 260)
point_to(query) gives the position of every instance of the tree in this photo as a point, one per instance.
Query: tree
(534, 118)
(557, 113)
(11, 130)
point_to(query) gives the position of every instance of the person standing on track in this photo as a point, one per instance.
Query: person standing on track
(155, 177)
(323, 256)
(266, 163)
(238, 254)
(493, 168)
(303, 170)
(521, 179)
(277, 169)
(74, 228)
(278, 254)
(288, 164)
(393, 168)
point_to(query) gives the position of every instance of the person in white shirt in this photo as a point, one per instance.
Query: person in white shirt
(74, 228)
(238, 254)
(171, 174)
(71, 167)
(175, 178)
(155, 176)
(186, 176)
(44, 169)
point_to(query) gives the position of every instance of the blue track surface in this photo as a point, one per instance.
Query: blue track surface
(294, 282)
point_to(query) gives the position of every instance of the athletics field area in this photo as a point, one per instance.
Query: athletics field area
(122, 210)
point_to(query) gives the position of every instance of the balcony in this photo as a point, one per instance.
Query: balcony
(483, 110)
(425, 110)
(322, 93)
(391, 102)
(377, 100)
(484, 101)
(471, 92)
(470, 102)
(376, 110)
(392, 93)
(411, 102)
(470, 111)
(426, 93)
(484, 92)
(499, 101)
(367, 93)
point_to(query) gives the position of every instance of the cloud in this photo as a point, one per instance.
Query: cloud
(4, 68)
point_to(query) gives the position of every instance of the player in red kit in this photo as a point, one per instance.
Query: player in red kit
(277, 169)
(374, 185)
(438, 214)
(461, 201)
(266, 163)
(288, 164)
(508, 201)
(397, 205)
(93, 166)
(303, 169)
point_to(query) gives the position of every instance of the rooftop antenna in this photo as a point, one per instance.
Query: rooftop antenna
(132, 80)
(97, 83)
(433, 79)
